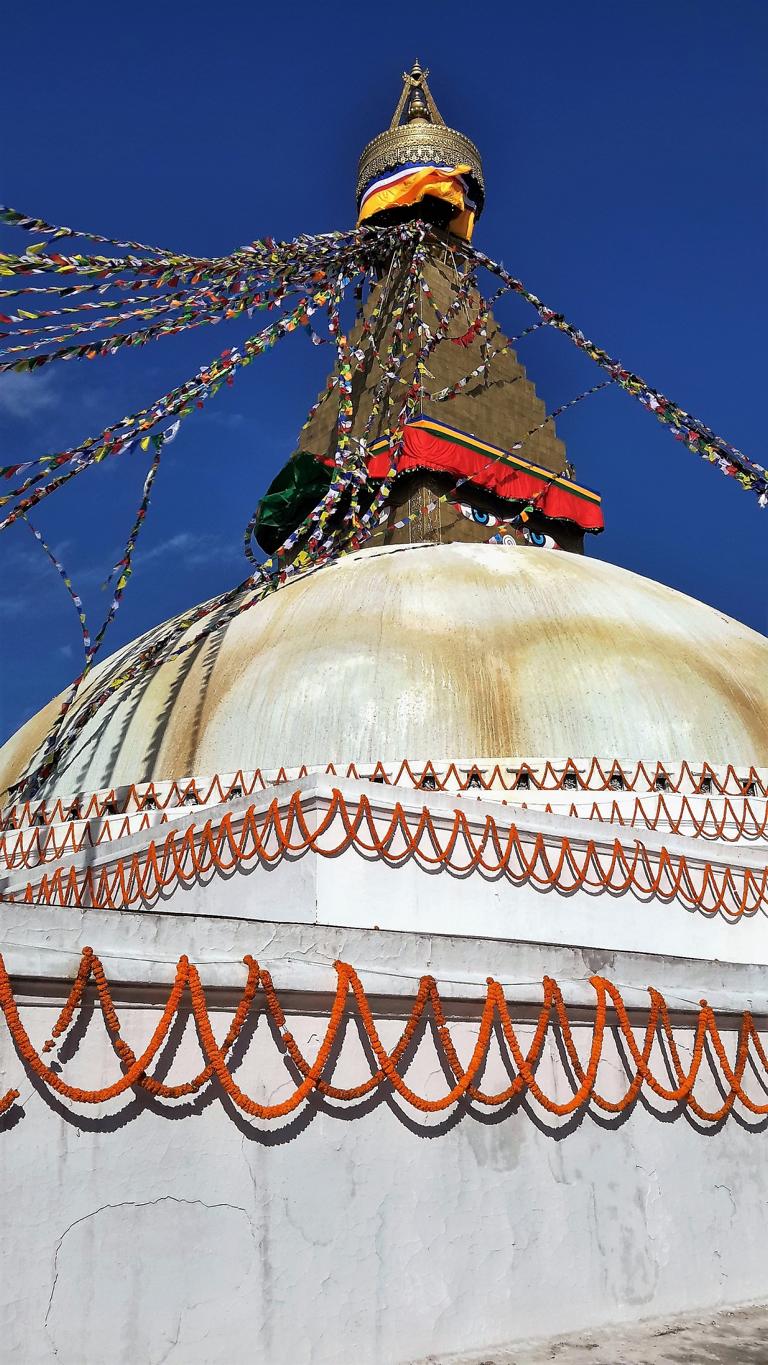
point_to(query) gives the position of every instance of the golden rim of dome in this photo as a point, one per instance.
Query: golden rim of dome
(421, 142)
(423, 138)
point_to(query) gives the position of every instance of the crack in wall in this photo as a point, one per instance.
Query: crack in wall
(133, 1204)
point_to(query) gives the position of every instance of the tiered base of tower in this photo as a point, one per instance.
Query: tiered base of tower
(389, 1206)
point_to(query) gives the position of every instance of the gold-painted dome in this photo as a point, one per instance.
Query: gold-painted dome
(417, 133)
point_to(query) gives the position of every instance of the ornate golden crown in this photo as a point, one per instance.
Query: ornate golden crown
(423, 138)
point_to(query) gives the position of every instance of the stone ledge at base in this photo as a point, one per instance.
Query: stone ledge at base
(42, 946)
(736, 1337)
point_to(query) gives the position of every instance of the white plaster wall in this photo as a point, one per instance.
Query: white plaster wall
(134, 1233)
(371, 1239)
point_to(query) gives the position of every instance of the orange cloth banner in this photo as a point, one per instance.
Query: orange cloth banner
(409, 186)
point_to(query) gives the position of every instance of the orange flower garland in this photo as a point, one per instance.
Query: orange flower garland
(235, 840)
(599, 777)
(31, 846)
(349, 989)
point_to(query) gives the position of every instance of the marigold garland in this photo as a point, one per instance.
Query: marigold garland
(235, 840)
(600, 776)
(427, 1005)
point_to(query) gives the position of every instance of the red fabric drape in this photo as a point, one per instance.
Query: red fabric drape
(451, 452)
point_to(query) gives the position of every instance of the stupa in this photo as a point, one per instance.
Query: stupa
(367, 829)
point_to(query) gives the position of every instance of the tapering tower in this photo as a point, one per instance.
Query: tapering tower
(479, 456)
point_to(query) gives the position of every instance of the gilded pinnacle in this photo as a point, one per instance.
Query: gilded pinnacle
(417, 134)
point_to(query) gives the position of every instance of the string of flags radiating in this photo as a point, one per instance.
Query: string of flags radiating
(123, 569)
(694, 433)
(63, 305)
(272, 264)
(212, 289)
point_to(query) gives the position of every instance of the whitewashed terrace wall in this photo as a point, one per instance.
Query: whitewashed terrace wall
(366, 892)
(186, 1232)
(146, 1231)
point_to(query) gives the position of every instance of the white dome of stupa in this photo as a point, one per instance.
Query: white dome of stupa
(431, 652)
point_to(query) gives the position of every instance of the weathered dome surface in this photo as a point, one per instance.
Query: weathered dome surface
(468, 651)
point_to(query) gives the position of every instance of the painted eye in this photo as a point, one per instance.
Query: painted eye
(475, 514)
(543, 542)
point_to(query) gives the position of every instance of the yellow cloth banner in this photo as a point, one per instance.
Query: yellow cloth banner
(463, 224)
(412, 188)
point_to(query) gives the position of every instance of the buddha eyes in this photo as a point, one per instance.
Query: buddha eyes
(538, 538)
(475, 514)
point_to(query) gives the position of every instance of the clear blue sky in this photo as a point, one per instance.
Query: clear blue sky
(625, 158)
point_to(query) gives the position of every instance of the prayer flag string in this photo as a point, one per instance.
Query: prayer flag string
(693, 432)
(158, 293)
(66, 580)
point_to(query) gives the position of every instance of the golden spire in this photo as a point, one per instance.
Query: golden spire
(417, 133)
(416, 100)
